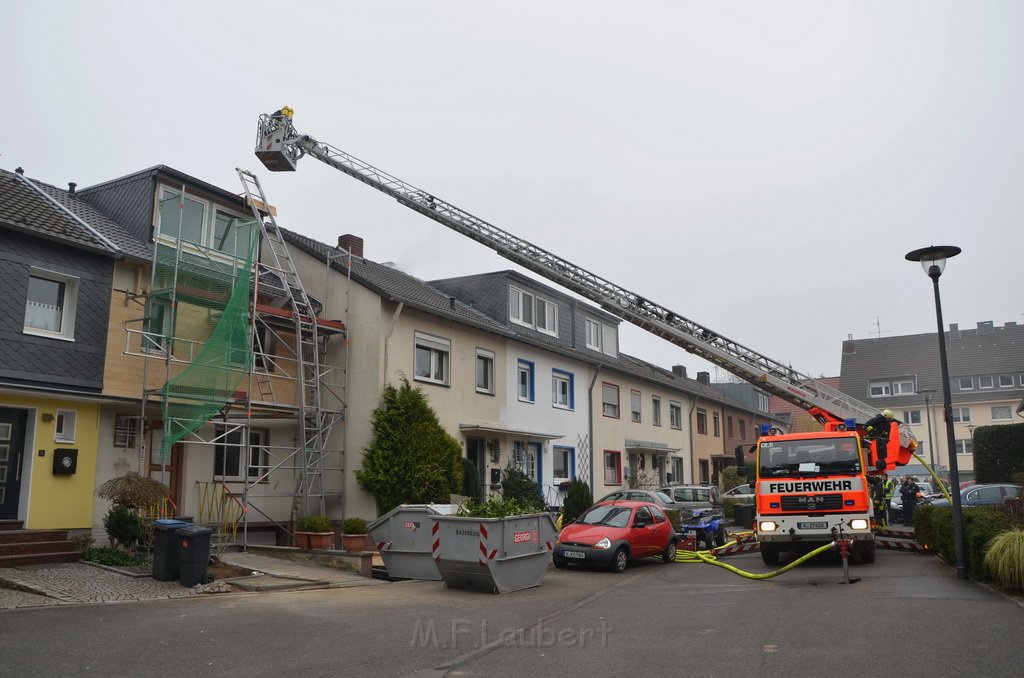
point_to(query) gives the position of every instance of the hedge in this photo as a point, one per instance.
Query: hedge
(934, 528)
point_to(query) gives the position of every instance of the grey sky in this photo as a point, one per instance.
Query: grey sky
(760, 168)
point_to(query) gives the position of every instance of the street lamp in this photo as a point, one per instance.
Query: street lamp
(933, 260)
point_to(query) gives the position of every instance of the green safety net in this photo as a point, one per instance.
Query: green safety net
(199, 310)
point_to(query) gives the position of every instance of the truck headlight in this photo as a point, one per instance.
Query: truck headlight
(605, 543)
(767, 526)
(858, 524)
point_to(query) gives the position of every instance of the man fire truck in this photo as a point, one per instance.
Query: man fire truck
(811, 487)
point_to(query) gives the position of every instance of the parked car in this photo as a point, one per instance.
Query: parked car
(658, 498)
(694, 497)
(983, 495)
(612, 533)
(745, 492)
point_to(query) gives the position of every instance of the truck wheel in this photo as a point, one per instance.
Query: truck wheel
(770, 554)
(866, 552)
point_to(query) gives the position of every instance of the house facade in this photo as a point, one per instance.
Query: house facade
(903, 373)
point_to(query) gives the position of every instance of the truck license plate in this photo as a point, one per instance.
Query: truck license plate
(574, 554)
(812, 526)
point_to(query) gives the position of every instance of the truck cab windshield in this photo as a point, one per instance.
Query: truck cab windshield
(811, 457)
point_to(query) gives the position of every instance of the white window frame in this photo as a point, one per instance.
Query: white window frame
(960, 415)
(903, 388)
(565, 454)
(968, 380)
(165, 193)
(635, 402)
(484, 368)
(595, 334)
(613, 472)
(562, 384)
(64, 426)
(1008, 409)
(1006, 381)
(879, 389)
(439, 353)
(656, 410)
(912, 416)
(716, 424)
(987, 382)
(545, 313)
(259, 440)
(675, 415)
(702, 421)
(68, 310)
(126, 430)
(525, 383)
(964, 446)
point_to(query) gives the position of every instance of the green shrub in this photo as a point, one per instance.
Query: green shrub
(133, 491)
(314, 524)
(124, 526)
(577, 500)
(933, 526)
(1004, 559)
(497, 508)
(519, 487)
(353, 526)
(107, 556)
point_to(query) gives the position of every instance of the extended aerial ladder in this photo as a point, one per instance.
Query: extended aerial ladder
(280, 146)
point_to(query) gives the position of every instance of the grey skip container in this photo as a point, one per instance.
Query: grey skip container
(498, 555)
(403, 538)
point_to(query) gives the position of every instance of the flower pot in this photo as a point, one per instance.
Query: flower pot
(320, 541)
(353, 542)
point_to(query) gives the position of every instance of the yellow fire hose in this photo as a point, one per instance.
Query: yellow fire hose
(706, 557)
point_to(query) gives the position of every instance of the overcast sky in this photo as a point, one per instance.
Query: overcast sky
(760, 168)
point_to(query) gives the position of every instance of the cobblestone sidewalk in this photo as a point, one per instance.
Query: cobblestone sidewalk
(42, 585)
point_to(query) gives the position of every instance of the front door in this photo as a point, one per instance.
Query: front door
(166, 468)
(12, 448)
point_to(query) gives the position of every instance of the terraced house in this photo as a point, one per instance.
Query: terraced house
(160, 326)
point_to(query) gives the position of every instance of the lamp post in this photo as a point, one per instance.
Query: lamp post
(933, 260)
(927, 392)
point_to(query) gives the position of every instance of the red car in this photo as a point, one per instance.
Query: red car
(611, 533)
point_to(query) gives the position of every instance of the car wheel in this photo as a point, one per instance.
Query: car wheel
(560, 564)
(721, 536)
(620, 560)
(866, 552)
(669, 556)
(770, 554)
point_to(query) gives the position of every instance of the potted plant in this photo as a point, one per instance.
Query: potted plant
(353, 534)
(314, 532)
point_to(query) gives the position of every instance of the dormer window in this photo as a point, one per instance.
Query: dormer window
(529, 310)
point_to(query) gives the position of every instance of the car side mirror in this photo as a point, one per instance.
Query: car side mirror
(640, 522)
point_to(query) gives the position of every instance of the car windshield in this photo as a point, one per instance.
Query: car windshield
(612, 516)
(808, 457)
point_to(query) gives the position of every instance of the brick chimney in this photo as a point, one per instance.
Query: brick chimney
(352, 243)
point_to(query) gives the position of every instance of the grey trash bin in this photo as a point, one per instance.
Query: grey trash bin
(165, 548)
(497, 555)
(193, 554)
(744, 515)
(403, 538)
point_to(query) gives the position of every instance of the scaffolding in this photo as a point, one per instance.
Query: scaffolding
(243, 346)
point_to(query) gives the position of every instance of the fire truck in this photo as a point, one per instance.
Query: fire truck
(811, 488)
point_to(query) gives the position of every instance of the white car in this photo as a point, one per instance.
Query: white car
(739, 492)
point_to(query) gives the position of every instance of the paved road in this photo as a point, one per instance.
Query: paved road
(654, 620)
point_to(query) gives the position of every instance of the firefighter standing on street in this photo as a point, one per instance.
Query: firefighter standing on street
(908, 492)
(889, 489)
(879, 499)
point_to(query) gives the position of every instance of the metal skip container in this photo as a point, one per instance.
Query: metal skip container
(498, 555)
(403, 538)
